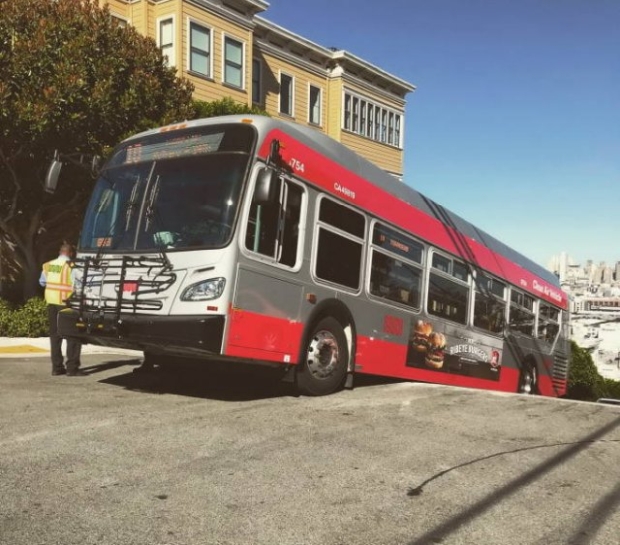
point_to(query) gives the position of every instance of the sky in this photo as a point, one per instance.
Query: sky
(515, 121)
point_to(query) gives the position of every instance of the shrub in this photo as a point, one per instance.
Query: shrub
(584, 380)
(5, 316)
(30, 320)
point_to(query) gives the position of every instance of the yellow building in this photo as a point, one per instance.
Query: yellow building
(227, 50)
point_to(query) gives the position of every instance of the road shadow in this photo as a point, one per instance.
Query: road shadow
(590, 526)
(107, 365)
(221, 380)
(224, 381)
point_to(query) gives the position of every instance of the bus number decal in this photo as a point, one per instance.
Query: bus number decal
(297, 165)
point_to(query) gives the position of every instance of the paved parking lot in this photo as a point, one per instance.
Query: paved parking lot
(228, 455)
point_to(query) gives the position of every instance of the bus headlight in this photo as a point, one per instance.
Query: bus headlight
(205, 290)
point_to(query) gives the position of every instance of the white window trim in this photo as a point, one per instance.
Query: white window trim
(292, 114)
(243, 61)
(171, 62)
(382, 109)
(121, 17)
(320, 121)
(315, 244)
(191, 20)
(301, 242)
(260, 82)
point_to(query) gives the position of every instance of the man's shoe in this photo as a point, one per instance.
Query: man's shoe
(76, 373)
(57, 372)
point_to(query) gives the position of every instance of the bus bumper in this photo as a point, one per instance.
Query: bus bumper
(186, 335)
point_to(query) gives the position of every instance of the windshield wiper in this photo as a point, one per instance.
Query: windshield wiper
(132, 204)
(150, 207)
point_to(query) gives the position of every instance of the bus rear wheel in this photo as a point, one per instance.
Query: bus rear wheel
(528, 379)
(322, 368)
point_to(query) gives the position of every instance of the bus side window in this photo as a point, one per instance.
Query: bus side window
(489, 304)
(273, 229)
(340, 243)
(521, 313)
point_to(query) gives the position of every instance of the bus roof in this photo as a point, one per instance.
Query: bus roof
(361, 167)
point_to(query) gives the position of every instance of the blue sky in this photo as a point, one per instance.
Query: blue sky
(515, 123)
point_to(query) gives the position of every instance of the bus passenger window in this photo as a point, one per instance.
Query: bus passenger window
(548, 326)
(273, 229)
(339, 244)
(489, 304)
(521, 314)
(447, 299)
(395, 280)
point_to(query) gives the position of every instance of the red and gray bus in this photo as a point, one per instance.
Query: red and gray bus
(246, 238)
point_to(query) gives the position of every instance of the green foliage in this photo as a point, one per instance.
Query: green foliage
(30, 320)
(584, 381)
(70, 79)
(225, 106)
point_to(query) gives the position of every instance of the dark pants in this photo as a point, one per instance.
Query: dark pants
(74, 347)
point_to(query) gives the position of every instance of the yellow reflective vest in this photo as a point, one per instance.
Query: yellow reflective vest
(58, 281)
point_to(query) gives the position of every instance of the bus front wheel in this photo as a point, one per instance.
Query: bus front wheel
(528, 379)
(322, 368)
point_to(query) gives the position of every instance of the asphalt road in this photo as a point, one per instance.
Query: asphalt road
(231, 456)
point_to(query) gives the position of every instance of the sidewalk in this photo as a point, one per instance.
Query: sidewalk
(15, 347)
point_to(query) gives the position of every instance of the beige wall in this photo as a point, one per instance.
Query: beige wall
(272, 67)
(214, 88)
(144, 15)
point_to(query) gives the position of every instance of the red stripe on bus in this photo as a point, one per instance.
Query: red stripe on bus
(338, 181)
(384, 358)
(253, 335)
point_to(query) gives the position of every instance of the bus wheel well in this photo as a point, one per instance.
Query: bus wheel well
(333, 308)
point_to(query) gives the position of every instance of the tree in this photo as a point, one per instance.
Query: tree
(224, 106)
(70, 79)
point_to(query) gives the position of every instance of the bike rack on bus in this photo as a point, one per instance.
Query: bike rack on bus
(94, 273)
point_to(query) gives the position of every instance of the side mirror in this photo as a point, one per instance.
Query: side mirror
(267, 186)
(51, 178)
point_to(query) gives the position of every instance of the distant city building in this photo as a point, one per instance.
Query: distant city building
(591, 288)
(225, 49)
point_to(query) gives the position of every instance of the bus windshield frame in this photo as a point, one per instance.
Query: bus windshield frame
(173, 191)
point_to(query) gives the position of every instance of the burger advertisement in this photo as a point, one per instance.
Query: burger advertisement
(429, 349)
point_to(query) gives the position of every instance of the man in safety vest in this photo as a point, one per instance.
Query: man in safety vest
(57, 279)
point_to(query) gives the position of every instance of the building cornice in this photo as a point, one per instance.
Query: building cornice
(218, 8)
(338, 62)
(344, 58)
(372, 91)
(282, 54)
(268, 27)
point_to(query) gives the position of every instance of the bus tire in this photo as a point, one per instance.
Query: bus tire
(324, 361)
(528, 379)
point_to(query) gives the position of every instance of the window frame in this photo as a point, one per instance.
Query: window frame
(369, 119)
(192, 22)
(258, 88)
(318, 224)
(225, 62)
(317, 123)
(170, 57)
(301, 241)
(489, 295)
(421, 266)
(523, 309)
(546, 321)
(448, 275)
(291, 94)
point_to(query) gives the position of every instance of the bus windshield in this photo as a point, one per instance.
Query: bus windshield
(170, 191)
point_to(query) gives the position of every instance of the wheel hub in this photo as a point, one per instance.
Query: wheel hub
(323, 354)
